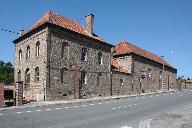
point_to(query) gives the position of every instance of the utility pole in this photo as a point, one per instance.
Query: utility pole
(163, 80)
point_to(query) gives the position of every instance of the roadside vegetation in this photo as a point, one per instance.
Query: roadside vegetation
(6, 72)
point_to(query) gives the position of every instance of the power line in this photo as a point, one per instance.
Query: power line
(9, 31)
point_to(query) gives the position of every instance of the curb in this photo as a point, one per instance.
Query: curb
(44, 103)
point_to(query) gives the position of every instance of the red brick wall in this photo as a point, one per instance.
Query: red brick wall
(1, 95)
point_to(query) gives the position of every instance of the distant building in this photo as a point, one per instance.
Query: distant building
(7, 95)
(58, 59)
(136, 70)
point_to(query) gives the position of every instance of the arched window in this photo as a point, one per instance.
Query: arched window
(27, 76)
(36, 74)
(20, 55)
(19, 75)
(37, 48)
(100, 58)
(28, 53)
(84, 77)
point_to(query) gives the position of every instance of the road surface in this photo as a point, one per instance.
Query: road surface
(114, 113)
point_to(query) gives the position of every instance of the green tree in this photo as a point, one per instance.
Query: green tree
(6, 72)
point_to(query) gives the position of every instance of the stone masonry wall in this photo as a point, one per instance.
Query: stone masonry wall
(153, 80)
(122, 83)
(34, 88)
(98, 76)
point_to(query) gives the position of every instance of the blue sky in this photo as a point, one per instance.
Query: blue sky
(159, 26)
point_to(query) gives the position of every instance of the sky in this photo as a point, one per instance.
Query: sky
(163, 27)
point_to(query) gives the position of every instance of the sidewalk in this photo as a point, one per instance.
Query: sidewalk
(43, 103)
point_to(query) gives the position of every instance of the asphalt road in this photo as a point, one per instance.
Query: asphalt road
(115, 113)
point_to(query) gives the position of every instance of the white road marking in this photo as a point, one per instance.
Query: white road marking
(129, 99)
(107, 102)
(57, 108)
(18, 112)
(185, 91)
(38, 110)
(28, 111)
(135, 104)
(99, 103)
(178, 92)
(76, 106)
(157, 95)
(125, 106)
(164, 94)
(114, 101)
(119, 107)
(191, 90)
(150, 96)
(171, 93)
(136, 98)
(126, 127)
(84, 105)
(91, 104)
(1, 114)
(143, 97)
(129, 105)
(66, 107)
(48, 109)
(181, 95)
(113, 108)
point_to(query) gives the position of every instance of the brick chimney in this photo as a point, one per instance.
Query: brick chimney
(21, 31)
(89, 23)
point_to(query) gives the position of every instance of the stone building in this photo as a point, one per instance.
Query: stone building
(136, 70)
(59, 59)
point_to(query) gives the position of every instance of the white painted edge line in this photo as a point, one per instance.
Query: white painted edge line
(164, 94)
(66, 107)
(38, 110)
(99, 103)
(18, 112)
(57, 108)
(126, 127)
(28, 111)
(48, 109)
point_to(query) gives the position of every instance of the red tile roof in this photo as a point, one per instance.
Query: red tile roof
(118, 66)
(125, 47)
(54, 18)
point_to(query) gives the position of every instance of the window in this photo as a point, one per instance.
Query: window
(27, 76)
(64, 49)
(84, 54)
(149, 73)
(36, 74)
(28, 53)
(100, 58)
(61, 71)
(121, 82)
(19, 75)
(37, 48)
(84, 77)
(20, 55)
